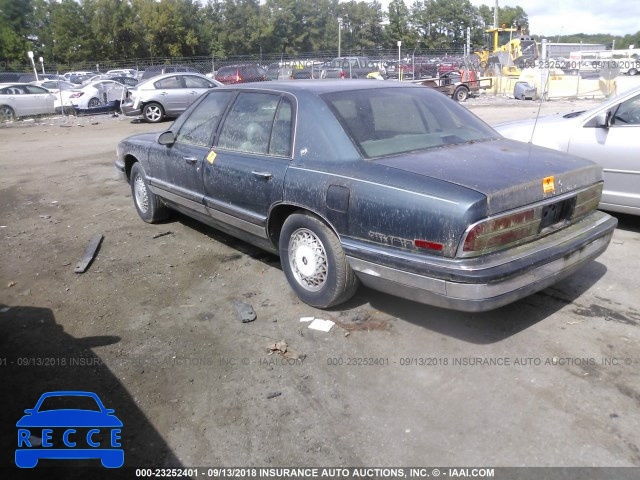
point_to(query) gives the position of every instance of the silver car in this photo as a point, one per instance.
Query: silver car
(166, 95)
(608, 134)
(24, 99)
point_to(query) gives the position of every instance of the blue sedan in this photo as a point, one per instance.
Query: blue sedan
(390, 185)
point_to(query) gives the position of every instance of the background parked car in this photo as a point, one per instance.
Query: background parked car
(241, 74)
(96, 94)
(276, 72)
(167, 95)
(24, 99)
(607, 134)
(156, 70)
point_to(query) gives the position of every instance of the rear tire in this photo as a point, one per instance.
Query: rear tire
(314, 263)
(153, 112)
(94, 102)
(149, 206)
(460, 94)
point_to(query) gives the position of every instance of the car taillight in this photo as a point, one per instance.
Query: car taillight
(77, 95)
(518, 227)
(587, 200)
(503, 231)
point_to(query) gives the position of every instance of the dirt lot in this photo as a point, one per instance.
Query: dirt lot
(150, 327)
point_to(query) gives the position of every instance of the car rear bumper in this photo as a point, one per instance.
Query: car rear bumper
(489, 282)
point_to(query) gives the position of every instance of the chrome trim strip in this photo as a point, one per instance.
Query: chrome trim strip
(469, 296)
(253, 229)
(485, 262)
(374, 183)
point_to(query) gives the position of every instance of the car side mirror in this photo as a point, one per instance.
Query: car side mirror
(167, 138)
(29, 411)
(603, 119)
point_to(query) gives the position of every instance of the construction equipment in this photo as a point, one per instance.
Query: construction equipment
(507, 51)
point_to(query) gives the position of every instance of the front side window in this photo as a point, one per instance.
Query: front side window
(249, 126)
(628, 113)
(198, 129)
(389, 121)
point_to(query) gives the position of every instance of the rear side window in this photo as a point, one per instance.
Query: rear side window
(197, 82)
(169, 82)
(258, 123)
(198, 129)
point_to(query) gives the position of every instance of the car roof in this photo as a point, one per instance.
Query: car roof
(320, 87)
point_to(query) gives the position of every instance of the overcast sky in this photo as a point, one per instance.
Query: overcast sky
(565, 17)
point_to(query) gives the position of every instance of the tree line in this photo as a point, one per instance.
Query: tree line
(68, 31)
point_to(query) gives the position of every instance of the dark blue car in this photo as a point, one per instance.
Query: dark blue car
(53, 430)
(388, 184)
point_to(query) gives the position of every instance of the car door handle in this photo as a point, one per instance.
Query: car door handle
(164, 93)
(190, 159)
(262, 174)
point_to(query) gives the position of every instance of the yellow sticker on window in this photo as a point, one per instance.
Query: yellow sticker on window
(211, 157)
(548, 185)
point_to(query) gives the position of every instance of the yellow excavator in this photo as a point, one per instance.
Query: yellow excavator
(507, 51)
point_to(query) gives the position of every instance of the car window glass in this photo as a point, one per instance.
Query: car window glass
(35, 89)
(280, 143)
(197, 82)
(628, 113)
(169, 82)
(67, 402)
(199, 127)
(248, 126)
(390, 121)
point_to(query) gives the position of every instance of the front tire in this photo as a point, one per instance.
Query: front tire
(314, 263)
(153, 112)
(149, 206)
(7, 114)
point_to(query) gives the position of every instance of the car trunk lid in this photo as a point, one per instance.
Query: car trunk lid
(510, 174)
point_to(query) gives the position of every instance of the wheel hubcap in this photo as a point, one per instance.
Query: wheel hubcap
(140, 191)
(308, 260)
(153, 114)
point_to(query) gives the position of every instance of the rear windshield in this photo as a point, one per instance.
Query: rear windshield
(227, 71)
(389, 121)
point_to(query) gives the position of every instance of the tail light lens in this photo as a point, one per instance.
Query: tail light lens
(503, 231)
(587, 200)
(77, 95)
(519, 227)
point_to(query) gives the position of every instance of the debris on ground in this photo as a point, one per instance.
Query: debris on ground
(11, 284)
(89, 254)
(273, 395)
(245, 312)
(322, 325)
(281, 348)
(5, 309)
(162, 234)
(307, 319)
(45, 217)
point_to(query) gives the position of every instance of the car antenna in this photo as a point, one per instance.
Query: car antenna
(544, 89)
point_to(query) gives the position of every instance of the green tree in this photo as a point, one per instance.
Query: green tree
(14, 30)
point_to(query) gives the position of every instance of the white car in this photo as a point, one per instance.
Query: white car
(24, 99)
(96, 94)
(607, 134)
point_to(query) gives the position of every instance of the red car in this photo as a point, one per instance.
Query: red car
(241, 74)
(449, 64)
